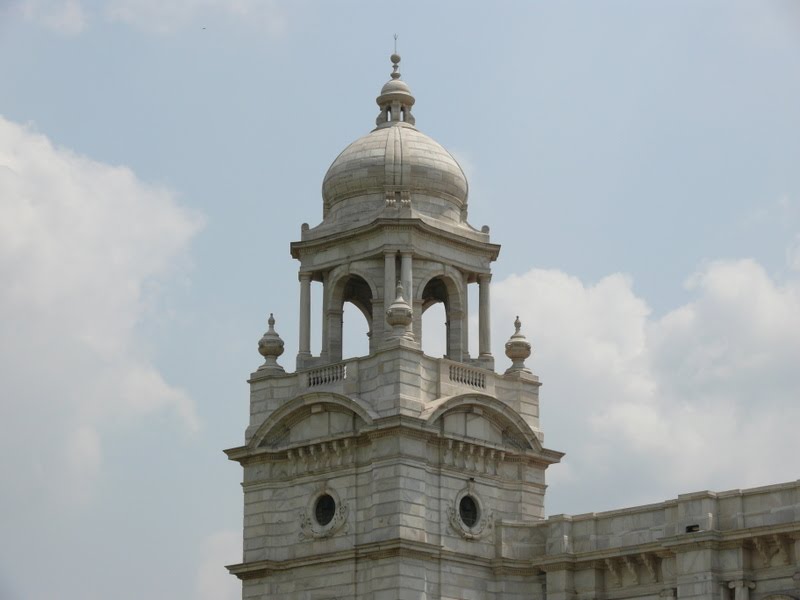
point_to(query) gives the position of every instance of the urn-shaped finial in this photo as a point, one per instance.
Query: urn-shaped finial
(270, 346)
(518, 348)
(399, 316)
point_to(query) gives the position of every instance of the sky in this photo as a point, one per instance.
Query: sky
(637, 161)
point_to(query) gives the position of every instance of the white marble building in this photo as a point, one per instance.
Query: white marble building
(400, 476)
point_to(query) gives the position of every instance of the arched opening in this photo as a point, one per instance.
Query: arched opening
(349, 293)
(442, 291)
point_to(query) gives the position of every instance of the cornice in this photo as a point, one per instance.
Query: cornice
(372, 550)
(667, 547)
(412, 225)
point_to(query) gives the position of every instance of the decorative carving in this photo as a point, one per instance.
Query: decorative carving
(322, 455)
(630, 564)
(472, 457)
(310, 529)
(649, 562)
(613, 569)
(782, 545)
(397, 197)
(766, 553)
(484, 523)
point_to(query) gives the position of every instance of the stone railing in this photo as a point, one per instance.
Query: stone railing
(468, 376)
(326, 375)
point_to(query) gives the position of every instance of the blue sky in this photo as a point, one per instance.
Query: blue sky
(637, 161)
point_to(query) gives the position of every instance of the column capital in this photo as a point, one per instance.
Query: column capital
(484, 277)
(304, 276)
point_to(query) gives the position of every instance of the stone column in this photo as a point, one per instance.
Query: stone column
(406, 277)
(484, 326)
(741, 588)
(465, 320)
(325, 327)
(304, 348)
(389, 283)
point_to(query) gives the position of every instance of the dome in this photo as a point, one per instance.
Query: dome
(395, 86)
(395, 164)
(396, 159)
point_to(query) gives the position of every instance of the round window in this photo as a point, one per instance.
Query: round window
(324, 509)
(468, 510)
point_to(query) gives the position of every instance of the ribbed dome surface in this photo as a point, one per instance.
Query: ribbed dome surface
(396, 157)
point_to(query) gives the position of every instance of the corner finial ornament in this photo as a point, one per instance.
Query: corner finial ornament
(399, 316)
(518, 348)
(270, 346)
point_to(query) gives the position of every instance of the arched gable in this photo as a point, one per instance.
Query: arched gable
(495, 414)
(320, 413)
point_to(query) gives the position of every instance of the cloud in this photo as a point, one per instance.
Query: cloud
(80, 244)
(164, 16)
(704, 397)
(213, 580)
(64, 16)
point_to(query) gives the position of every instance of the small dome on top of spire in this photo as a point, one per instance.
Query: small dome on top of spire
(396, 99)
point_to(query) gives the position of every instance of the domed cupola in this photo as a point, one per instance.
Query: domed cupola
(394, 167)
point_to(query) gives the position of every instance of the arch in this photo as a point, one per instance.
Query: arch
(488, 404)
(346, 284)
(296, 406)
(446, 285)
(452, 276)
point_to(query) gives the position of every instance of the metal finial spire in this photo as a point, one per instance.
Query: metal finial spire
(395, 58)
(517, 324)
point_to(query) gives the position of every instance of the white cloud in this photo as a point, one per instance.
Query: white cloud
(706, 396)
(163, 16)
(79, 243)
(213, 580)
(64, 16)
